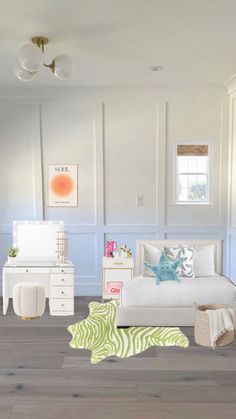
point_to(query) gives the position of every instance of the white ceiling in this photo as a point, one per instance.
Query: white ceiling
(114, 42)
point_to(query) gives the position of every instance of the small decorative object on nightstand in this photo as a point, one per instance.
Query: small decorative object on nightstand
(125, 253)
(116, 273)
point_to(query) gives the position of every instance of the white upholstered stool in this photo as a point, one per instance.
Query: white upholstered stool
(28, 300)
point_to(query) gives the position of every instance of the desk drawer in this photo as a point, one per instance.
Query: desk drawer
(118, 263)
(62, 305)
(62, 270)
(62, 292)
(62, 279)
(26, 270)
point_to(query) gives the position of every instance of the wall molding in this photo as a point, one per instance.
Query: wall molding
(100, 99)
(37, 157)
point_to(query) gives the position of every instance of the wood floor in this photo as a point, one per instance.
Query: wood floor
(41, 377)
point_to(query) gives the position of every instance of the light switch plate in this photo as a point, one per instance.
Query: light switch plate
(139, 201)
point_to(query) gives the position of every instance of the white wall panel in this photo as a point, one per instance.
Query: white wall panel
(195, 119)
(16, 164)
(68, 137)
(130, 161)
(189, 236)
(5, 241)
(82, 252)
(233, 173)
(232, 192)
(232, 244)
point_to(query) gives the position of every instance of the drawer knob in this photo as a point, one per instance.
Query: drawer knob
(62, 280)
(62, 305)
(62, 292)
(62, 270)
(27, 270)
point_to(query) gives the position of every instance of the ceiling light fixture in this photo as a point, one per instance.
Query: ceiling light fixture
(31, 59)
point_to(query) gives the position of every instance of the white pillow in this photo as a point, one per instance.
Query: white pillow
(204, 261)
(150, 255)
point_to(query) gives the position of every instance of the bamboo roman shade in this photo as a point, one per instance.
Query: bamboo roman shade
(192, 150)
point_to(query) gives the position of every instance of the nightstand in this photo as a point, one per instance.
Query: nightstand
(116, 273)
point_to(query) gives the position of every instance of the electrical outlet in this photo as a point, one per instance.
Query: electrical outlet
(139, 201)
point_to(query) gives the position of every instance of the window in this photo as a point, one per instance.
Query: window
(192, 174)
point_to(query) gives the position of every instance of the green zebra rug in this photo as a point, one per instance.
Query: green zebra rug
(99, 334)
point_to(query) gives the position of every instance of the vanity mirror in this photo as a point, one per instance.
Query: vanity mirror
(36, 240)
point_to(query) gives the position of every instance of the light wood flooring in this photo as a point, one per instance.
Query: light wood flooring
(41, 377)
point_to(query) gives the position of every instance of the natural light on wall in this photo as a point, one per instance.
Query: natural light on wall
(192, 174)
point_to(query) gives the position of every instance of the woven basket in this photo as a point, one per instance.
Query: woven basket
(202, 327)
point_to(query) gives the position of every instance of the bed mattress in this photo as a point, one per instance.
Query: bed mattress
(143, 292)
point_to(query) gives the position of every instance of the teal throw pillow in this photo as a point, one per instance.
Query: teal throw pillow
(165, 270)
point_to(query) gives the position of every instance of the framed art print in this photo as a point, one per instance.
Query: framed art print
(62, 185)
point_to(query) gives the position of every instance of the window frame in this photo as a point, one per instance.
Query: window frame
(176, 175)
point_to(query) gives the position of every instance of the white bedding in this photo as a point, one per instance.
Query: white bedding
(143, 291)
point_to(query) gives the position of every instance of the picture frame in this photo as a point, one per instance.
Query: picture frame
(62, 185)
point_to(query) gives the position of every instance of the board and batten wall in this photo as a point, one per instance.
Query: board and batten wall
(231, 228)
(122, 140)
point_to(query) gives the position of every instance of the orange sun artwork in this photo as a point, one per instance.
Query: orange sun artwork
(62, 185)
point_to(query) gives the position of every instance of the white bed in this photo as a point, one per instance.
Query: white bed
(170, 303)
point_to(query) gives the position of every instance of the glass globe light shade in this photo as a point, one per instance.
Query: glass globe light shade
(23, 74)
(30, 57)
(63, 67)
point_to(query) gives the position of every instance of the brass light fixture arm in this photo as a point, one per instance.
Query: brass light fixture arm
(52, 66)
(40, 41)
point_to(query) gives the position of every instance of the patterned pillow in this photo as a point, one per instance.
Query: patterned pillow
(174, 253)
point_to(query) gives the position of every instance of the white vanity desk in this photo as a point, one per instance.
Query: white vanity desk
(57, 280)
(37, 262)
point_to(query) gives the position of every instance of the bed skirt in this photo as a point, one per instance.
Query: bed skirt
(154, 316)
